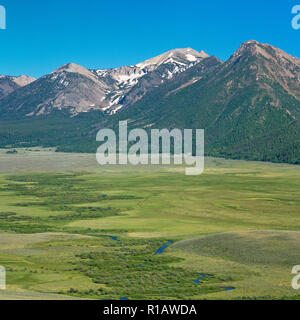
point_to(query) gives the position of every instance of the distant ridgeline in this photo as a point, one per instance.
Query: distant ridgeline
(249, 106)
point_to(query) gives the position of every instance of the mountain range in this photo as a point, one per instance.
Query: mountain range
(249, 105)
(76, 89)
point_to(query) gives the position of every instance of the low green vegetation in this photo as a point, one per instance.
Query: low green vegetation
(14, 151)
(93, 233)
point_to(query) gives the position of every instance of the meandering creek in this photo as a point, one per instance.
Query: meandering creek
(161, 250)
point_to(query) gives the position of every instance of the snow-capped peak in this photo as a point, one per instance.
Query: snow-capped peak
(124, 79)
(182, 55)
(115, 89)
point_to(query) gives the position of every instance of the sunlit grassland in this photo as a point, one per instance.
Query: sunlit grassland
(56, 227)
(259, 261)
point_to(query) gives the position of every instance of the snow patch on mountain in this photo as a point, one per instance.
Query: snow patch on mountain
(122, 80)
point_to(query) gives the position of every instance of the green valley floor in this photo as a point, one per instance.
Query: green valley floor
(70, 229)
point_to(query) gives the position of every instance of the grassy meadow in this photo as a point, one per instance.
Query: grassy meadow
(70, 229)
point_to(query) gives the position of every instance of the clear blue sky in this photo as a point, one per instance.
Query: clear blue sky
(42, 35)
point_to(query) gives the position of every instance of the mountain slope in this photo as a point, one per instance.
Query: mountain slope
(250, 99)
(130, 84)
(70, 88)
(8, 84)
